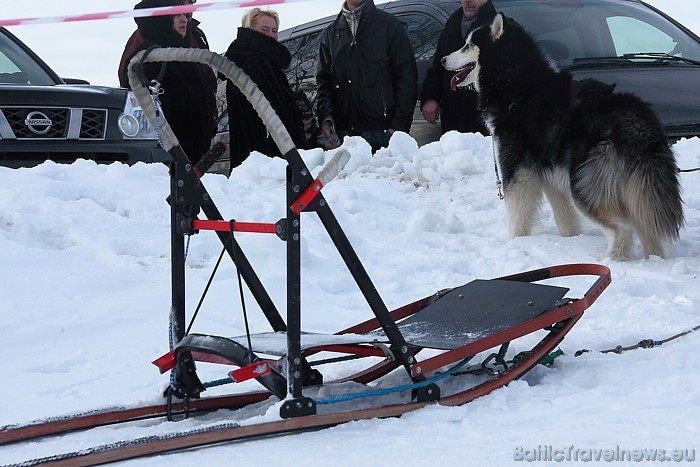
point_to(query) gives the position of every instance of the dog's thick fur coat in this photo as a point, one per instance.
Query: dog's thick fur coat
(602, 151)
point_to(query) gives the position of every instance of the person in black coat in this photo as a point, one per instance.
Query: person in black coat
(367, 75)
(188, 100)
(457, 110)
(258, 53)
(197, 40)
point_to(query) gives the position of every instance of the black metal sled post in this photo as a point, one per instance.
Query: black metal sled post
(461, 322)
(301, 181)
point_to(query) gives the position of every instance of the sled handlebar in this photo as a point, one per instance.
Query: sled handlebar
(334, 166)
(218, 62)
(328, 173)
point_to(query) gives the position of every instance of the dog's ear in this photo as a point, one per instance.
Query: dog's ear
(497, 26)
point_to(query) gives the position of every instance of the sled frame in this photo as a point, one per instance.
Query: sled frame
(188, 198)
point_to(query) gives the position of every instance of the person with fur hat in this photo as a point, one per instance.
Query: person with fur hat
(258, 53)
(197, 40)
(187, 98)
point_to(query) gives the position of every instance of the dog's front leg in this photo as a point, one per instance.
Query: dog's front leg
(523, 196)
(558, 193)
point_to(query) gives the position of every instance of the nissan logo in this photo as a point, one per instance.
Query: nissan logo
(38, 123)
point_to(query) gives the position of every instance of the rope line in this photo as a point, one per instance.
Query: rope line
(643, 344)
(160, 11)
(380, 392)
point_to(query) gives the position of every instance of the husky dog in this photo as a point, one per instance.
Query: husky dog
(579, 143)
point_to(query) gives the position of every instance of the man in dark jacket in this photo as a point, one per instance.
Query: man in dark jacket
(367, 75)
(457, 110)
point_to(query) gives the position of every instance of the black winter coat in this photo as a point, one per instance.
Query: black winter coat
(197, 40)
(369, 83)
(458, 109)
(188, 101)
(263, 59)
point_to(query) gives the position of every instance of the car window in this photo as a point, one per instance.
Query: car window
(630, 35)
(562, 45)
(17, 67)
(424, 32)
(301, 73)
(575, 30)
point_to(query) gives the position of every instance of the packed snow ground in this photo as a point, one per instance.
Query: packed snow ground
(86, 295)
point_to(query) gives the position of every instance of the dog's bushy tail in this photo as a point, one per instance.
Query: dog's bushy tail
(626, 172)
(652, 195)
(631, 188)
(652, 186)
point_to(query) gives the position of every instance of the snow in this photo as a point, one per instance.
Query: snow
(86, 297)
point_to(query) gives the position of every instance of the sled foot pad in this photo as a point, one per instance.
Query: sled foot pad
(298, 408)
(428, 393)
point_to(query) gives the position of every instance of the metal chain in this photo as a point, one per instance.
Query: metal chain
(155, 90)
(495, 166)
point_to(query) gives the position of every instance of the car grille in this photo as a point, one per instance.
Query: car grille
(52, 123)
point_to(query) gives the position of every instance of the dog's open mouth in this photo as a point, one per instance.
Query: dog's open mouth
(461, 75)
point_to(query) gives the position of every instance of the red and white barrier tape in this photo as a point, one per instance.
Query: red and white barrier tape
(170, 10)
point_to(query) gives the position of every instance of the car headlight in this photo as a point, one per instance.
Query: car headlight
(129, 125)
(133, 122)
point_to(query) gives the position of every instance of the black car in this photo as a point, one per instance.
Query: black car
(44, 117)
(626, 42)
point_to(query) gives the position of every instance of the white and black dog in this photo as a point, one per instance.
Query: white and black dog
(602, 151)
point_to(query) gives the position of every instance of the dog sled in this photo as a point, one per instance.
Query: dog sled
(454, 324)
(447, 348)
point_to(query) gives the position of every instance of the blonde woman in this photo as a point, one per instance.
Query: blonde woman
(261, 57)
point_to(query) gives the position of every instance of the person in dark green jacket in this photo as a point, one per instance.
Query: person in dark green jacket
(456, 110)
(367, 75)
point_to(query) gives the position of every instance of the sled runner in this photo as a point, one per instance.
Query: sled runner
(455, 324)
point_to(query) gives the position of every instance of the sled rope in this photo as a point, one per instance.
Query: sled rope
(206, 288)
(696, 169)
(240, 291)
(643, 344)
(548, 360)
(385, 391)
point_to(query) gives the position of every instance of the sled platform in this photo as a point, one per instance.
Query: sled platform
(465, 320)
(476, 310)
(455, 318)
